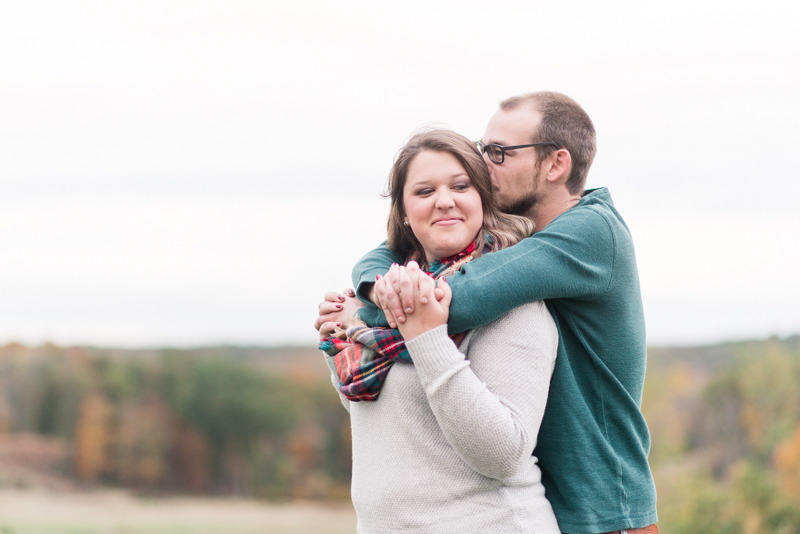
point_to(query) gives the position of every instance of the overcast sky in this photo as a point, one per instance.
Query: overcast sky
(186, 173)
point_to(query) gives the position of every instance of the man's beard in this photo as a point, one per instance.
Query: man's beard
(524, 206)
(521, 206)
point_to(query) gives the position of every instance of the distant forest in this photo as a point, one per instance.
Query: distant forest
(253, 422)
(266, 423)
(725, 436)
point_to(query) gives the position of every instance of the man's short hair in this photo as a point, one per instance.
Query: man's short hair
(565, 123)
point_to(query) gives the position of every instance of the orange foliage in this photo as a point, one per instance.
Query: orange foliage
(5, 416)
(191, 457)
(140, 444)
(303, 445)
(787, 464)
(753, 422)
(92, 437)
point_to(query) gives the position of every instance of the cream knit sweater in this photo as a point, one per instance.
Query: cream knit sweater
(447, 447)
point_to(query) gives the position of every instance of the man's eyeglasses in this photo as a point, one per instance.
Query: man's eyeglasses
(497, 153)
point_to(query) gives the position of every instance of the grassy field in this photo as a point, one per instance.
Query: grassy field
(118, 512)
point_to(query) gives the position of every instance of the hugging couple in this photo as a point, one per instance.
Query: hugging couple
(492, 357)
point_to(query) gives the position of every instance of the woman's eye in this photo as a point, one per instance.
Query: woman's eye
(460, 186)
(423, 192)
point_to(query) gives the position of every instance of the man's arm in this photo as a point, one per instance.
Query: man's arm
(375, 262)
(573, 257)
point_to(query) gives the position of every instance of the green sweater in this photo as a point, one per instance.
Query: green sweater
(593, 443)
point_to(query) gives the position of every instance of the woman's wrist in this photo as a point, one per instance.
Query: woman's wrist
(416, 326)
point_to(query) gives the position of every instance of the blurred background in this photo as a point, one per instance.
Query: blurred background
(182, 182)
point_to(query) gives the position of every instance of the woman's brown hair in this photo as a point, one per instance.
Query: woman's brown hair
(501, 229)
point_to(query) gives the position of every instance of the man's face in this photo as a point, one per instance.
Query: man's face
(516, 180)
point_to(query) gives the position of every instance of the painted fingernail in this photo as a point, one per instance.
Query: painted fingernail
(377, 277)
(351, 293)
(339, 325)
(338, 306)
(341, 297)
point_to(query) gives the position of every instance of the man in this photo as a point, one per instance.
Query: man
(593, 443)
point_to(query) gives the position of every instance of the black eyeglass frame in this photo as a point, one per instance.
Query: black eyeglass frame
(482, 149)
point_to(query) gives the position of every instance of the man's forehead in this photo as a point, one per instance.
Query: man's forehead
(510, 127)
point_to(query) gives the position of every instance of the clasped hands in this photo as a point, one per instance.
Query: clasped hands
(411, 301)
(408, 297)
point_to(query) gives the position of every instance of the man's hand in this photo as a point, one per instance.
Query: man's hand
(335, 310)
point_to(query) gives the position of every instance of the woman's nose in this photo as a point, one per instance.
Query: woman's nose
(444, 200)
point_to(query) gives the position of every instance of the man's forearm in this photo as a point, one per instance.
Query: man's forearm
(377, 261)
(369, 292)
(562, 261)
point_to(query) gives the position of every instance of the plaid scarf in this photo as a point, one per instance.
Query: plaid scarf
(362, 360)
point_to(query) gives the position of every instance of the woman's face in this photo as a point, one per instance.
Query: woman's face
(443, 209)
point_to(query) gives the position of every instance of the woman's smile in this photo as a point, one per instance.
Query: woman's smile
(449, 221)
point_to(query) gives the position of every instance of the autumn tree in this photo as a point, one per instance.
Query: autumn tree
(92, 437)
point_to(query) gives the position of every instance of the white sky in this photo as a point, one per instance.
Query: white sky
(195, 172)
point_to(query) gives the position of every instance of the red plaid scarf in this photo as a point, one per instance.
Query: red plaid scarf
(362, 361)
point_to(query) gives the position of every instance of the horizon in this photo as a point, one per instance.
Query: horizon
(13, 344)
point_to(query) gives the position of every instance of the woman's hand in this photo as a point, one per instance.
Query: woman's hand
(430, 306)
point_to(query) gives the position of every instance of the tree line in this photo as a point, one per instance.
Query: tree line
(203, 421)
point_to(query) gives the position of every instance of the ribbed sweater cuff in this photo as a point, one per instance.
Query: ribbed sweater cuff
(433, 351)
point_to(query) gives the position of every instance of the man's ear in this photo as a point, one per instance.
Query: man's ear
(560, 165)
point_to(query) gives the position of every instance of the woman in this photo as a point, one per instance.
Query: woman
(445, 444)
